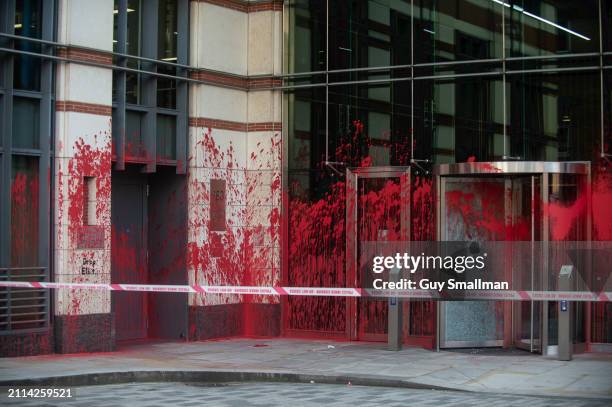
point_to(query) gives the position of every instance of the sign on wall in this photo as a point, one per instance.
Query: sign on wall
(217, 205)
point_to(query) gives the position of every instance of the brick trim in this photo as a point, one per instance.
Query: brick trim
(234, 126)
(258, 83)
(237, 81)
(218, 78)
(77, 54)
(246, 6)
(81, 107)
(264, 126)
(217, 124)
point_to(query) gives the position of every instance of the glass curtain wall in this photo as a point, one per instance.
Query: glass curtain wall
(150, 111)
(422, 82)
(26, 92)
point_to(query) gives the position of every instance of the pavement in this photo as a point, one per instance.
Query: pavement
(285, 394)
(587, 376)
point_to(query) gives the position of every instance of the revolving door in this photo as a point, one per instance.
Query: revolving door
(534, 204)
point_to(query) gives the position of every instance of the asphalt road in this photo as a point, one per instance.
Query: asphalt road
(283, 394)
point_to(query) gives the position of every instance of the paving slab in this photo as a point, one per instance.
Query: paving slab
(587, 375)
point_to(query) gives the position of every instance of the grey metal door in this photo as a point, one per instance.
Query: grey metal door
(129, 255)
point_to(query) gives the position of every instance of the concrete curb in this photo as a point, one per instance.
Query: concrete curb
(214, 376)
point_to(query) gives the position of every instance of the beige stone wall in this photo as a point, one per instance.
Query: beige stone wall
(83, 149)
(235, 135)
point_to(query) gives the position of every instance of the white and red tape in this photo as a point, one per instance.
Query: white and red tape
(509, 295)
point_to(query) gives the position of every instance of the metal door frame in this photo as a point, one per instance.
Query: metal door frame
(352, 180)
(503, 169)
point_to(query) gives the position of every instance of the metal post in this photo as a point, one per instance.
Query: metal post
(394, 332)
(182, 88)
(149, 83)
(565, 315)
(119, 118)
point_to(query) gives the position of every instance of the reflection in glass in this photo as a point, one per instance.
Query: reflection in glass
(28, 15)
(457, 30)
(166, 137)
(132, 46)
(24, 211)
(166, 42)
(307, 36)
(26, 121)
(554, 117)
(545, 27)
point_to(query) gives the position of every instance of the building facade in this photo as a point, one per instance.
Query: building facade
(258, 143)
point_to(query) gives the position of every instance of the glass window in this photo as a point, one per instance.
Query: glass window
(606, 17)
(166, 44)
(554, 117)
(551, 27)
(358, 27)
(457, 30)
(166, 137)
(134, 144)
(26, 120)
(24, 211)
(132, 46)
(459, 120)
(28, 23)
(307, 38)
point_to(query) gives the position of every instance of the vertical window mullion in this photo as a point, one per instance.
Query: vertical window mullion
(182, 87)
(119, 119)
(149, 82)
(45, 140)
(7, 110)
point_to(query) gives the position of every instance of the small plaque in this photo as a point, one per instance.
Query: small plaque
(217, 205)
(91, 237)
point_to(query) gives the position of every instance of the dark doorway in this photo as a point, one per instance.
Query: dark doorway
(149, 236)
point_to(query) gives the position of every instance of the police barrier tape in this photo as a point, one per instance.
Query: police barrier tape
(510, 295)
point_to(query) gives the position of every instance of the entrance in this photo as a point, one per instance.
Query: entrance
(510, 201)
(149, 234)
(378, 209)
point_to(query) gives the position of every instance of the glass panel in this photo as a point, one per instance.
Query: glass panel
(457, 30)
(28, 23)
(306, 131)
(460, 120)
(370, 125)
(2, 99)
(606, 16)
(166, 42)
(166, 137)
(607, 111)
(317, 251)
(358, 27)
(26, 121)
(554, 117)
(475, 211)
(134, 145)
(307, 35)
(133, 47)
(544, 27)
(24, 211)
(378, 219)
